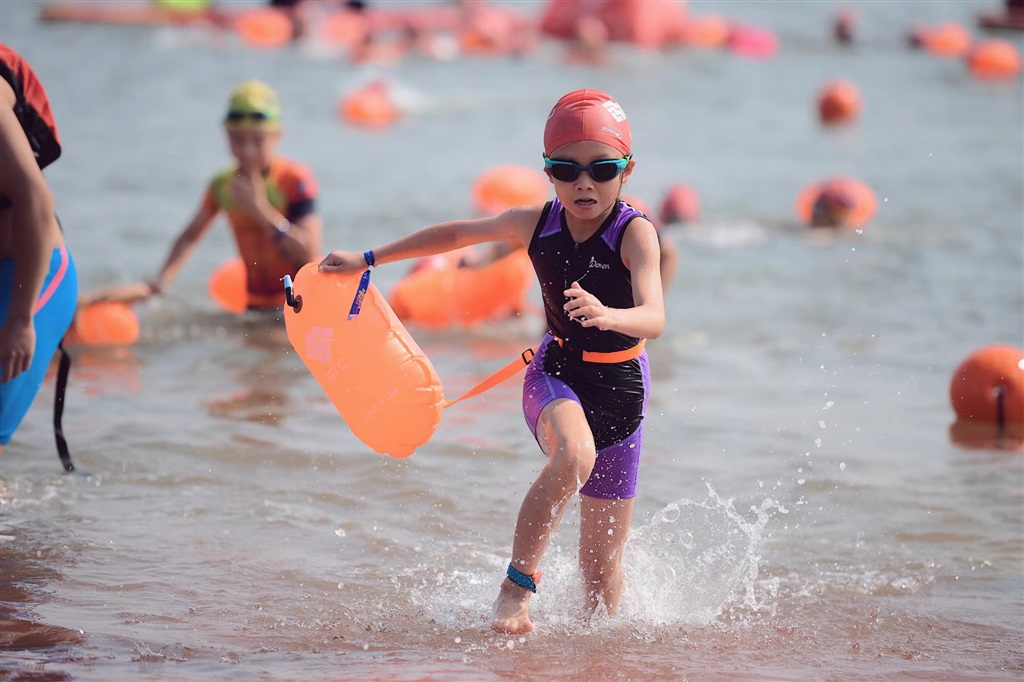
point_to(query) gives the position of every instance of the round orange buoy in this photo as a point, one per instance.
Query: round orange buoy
(994, 59)
(945, 40)
(988, 386)
(838, 103)
(374, 372)
(104, 324)
(508, 186)
(264, 28)
(838, 202)
(228, 286)
(369, 106)
(680, 205)
(708, 32)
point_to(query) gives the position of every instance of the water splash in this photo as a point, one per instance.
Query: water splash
(694, 559)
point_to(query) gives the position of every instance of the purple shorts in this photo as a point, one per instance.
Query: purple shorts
(616, 423)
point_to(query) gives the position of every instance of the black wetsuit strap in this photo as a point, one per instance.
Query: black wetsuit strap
(58, 408)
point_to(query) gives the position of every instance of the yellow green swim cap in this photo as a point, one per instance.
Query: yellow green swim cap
(253, 103)
(185, 5)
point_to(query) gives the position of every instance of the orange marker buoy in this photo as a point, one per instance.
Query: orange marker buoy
(505, 187)
(264, 28)
(994, 59)
(705, 32)
(680, 205)
(228, 286)
(838, 103)
(104, 324)
(851, 203)
(375, 374)
(988, 386)
(945, 40)
(343, 28)
(369, 106)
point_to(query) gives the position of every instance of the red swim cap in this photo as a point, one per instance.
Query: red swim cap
(587, 115)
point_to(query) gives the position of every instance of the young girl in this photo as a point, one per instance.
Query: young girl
(585, 391)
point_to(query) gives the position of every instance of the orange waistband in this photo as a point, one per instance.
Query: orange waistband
(612, 357)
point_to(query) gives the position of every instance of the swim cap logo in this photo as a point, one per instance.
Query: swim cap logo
(615, 111)
(320, 344)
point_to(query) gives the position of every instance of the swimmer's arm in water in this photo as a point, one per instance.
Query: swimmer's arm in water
(180, 250)
(515, 225)
(646, 319)
(28, 222)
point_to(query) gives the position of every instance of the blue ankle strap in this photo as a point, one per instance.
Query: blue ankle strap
(521, 579)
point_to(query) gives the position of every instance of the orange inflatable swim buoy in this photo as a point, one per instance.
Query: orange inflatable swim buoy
(988, 386)
(375, 374)
(449, 295)
(852, 203)
(994, 59)
(264, 28)
(838, 103)
(706, 32)
(508, 186)
(227, 286)
(369, 106)
(945, 40)
(104, 324)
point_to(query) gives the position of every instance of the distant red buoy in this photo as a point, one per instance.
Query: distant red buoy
(838, 103)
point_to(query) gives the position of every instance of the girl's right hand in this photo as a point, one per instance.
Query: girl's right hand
(341, 262)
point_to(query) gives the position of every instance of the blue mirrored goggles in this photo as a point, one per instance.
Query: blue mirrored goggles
(600, 171)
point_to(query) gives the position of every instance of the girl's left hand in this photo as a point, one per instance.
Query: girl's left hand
(585, 308)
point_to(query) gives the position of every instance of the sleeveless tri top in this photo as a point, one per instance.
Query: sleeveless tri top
(595, 263)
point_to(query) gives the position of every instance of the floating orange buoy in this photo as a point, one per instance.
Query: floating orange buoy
(680, 205)
(264, 28)
(505, 187)
(228, 286)
(103, 324)
(994, 59)
(839, 202)
(369, 106)
(708, 32)
(375, 374)
(945, 40)
(440, 293)
(838, 103)
(988, 386)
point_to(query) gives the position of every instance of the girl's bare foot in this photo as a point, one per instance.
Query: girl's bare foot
(511, 616)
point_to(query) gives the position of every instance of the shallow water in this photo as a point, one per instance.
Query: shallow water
(803, 513)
